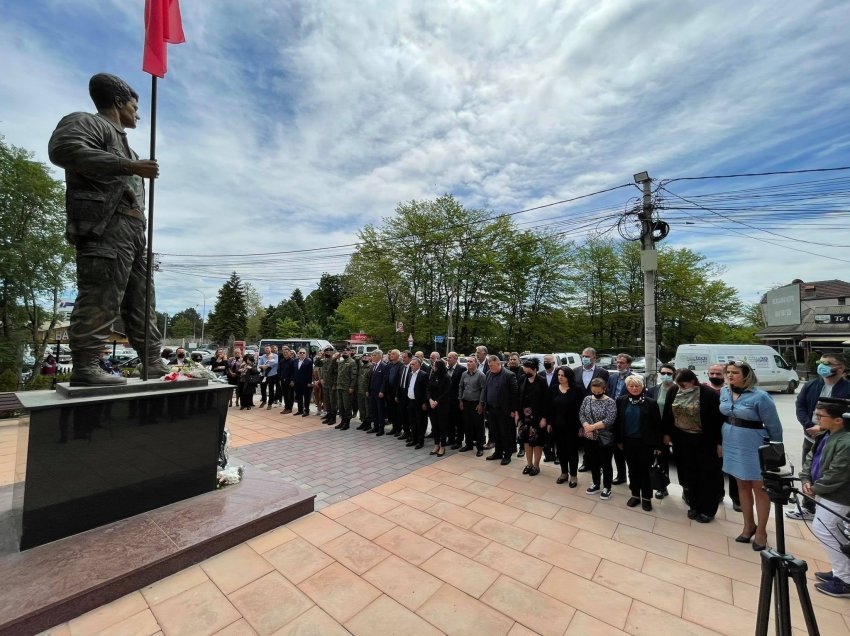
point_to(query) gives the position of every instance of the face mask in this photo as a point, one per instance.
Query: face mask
(327, 355)
(547, 365)
(345, 356)
(688, 390)
(716, 381)
(666, 378)
(181, 355)
(586, 361)
(598, 396)
(825, 371)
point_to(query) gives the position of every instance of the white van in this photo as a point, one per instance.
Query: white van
(772, 371)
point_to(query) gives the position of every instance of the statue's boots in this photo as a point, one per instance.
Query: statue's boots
(87, 372)
(156, 368)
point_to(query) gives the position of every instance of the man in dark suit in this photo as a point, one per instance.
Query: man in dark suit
(377, 384)
(286, 377)
(455, 373)
(393, 378)
(417, 403)
(588, 372)
(501, 401)
(302, 381)
(401, 398)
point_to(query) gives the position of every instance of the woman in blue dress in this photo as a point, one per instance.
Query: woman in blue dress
(750, 417)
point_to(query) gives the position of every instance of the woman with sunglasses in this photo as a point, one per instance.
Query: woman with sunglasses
(750, 417)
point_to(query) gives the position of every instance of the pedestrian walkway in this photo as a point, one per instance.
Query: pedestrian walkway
(459, 545)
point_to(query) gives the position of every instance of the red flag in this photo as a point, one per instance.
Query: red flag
(162, 26)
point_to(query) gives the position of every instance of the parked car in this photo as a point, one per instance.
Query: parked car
(572, 360)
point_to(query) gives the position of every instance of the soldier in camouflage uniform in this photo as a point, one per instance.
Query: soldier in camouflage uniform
(329, 370)
(346, 383)
(105, 205)
(363, 379)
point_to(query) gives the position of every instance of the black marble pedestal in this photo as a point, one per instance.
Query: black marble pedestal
(93, 460)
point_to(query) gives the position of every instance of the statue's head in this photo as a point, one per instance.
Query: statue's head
(108, 90)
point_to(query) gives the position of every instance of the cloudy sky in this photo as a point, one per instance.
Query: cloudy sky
(288, 125)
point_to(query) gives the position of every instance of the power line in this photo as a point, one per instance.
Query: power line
(835, 258)
(754, 174)
(448, 227)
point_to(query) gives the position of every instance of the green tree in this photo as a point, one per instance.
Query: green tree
(256, 312)
(322, 302)
(228, 320)
(36, 262)
(287, 328)
(185, 324)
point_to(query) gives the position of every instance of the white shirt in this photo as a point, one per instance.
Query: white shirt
(587, 375)
(410, 393)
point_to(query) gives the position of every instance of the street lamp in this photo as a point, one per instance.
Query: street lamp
(203, 313)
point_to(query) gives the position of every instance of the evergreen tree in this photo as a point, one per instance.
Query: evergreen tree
(229, 319)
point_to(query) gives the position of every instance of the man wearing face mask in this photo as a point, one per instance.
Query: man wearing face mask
(549, 376)
(829, 383)
(583, 377)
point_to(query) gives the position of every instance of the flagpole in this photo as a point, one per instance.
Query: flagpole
(149, 274)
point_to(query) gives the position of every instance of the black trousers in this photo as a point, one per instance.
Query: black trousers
(267, 388)
(403, 424)
(566, 441)
(439, 424)
(302, 396)
(702, 470)
(376, 409)
(502, 432)
(620, 461)
(473, 424)
(639, 458)
(454, 430)
(392, 412)
(416, 421)
(288, 393)
(599, 460)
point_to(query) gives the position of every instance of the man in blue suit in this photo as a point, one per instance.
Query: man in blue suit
(303, 382)
(376, 393)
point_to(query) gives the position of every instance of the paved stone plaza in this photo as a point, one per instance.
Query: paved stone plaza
(404, 543)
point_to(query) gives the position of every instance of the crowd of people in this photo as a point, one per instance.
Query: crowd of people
(624, 431)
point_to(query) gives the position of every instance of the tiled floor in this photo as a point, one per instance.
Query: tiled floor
(463, 546)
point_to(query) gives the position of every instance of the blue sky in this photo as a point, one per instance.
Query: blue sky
(289, 125)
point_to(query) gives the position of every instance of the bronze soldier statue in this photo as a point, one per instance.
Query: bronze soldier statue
(105, 203)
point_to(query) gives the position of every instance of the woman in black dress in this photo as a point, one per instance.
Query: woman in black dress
(531, 417)
(563, 423)
(249, 378)
(439, 390)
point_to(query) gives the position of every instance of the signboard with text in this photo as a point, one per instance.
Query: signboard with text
(833, 319)
(783, 306)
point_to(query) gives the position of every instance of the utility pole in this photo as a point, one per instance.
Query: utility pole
(649, 266)
(450, 331)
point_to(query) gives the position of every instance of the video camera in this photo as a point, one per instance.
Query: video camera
(778, 485)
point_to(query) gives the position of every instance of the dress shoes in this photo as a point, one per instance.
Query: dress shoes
(419, 446)
(380, 433)
(583, 468)
(372, 430)
(363, 427)
(455, 446)
(619, 480)
(506, 461)
(404, 436)
(305, 414)
(411, 443)
(493, 457)
(479, 453)
(340, 425)
(465, 449)
(345, 427)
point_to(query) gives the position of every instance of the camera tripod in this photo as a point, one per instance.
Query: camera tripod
(777, 567)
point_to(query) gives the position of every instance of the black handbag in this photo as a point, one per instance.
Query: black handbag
(658, 477)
